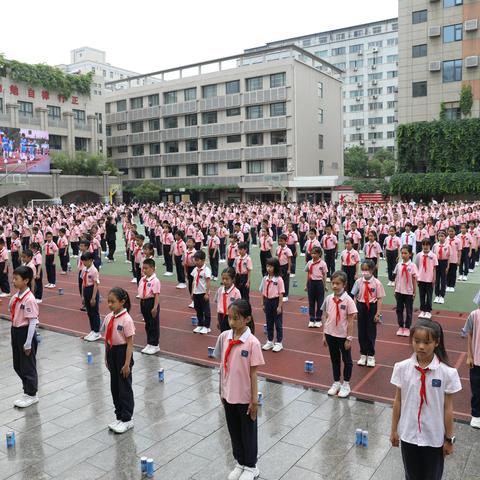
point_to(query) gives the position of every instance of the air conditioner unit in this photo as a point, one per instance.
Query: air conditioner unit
(358, 127)
(471, 25)
(357, 99)
(374, 141)
(359, 84)
(435, 66)
(434, 31)
(362, 142)
(373, 127)
(375, 97)
(471, 61)
(355, 69)
(374, 67)
(374, 82)
(375, 50)
(360, 52)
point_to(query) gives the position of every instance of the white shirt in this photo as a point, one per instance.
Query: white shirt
(201, 275)
(440, 380)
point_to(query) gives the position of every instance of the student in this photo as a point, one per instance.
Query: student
(15, 249)
(222, 235)
(240, 354)
(149, 294)
(284, 255)
(148, 251)
(330, 246)
(383, 229)
(232, 251)
(350, 259)
(292, 241)
(27, 261)
(4, 284)
(465, 252)
(189, 265)
(119, 332)
(201, 291)
(355, 235)
(50, 249)
(422, 414)
(273, 289)
(91, 296)
(372, 250)
(178, 251)
(426, 263)
(472, 328)
(311, 242)
(368, 292)
(24, 317)
(266, 245)
(408, 238)
(243, 268)
(138, 258)
(442, 251)
(391, 245)
(226, 294)
(167, 240)
(213, 243)
(406, 275)
(84, 246)
(63, 251)
(316, 270)
(455, 248)
(340, 312)
(420, 235)
(37, 260)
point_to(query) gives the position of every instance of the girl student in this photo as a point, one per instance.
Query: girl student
(442, 251)
(426, 263)
(284, 256)
(149, 293)
(91, 296)
(316, 286)
(472, 328)
(119, 332)
(350, 259)
(273, 290)
(240, 355)
(201, 293)
(372, 250)
(391, 247)
(37, 260)
(213, 243)
(422, 414)
(148, 251)
(266, 245)
(178, 250)
(455, 249)
(189, 265)
(63, 246)
(368, 292)
(311, 242)
(27, 261)
(340, 312)
(226, 294)
(24, 317)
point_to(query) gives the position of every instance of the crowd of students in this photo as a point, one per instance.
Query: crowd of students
(423, 247)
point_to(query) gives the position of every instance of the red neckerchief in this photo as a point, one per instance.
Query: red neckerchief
(225, 298)
(366, 294)
(17, 300)
(109, 333)
(337, 302)
(85, 277)
(347, 259)
(440, 249)
(310, 269)
(425, 262)
(144, 294)
(423, 391)
(404, 271)
(199, 272)
(231, 343)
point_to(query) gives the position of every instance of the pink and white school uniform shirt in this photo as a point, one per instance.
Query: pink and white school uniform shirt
(316, 270)
(337, 310)
(455, 248)
(329, 242)
(405, 273)
(225, 297)
(309, 244)
(472, 326)
(283, 254)
(188, 259)
(392, 243)
(368, 291)
(179, 248)
(148, 287)
(243, 264)
(426, 264)
(23, 308)
(123, 327)
(442, 251)
(200, 276)
(272, 287)
(349, 258)
(372, 249)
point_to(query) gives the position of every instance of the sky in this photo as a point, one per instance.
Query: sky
(149, 35)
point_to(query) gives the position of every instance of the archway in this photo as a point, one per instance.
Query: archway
(80, 196)
(22, 197)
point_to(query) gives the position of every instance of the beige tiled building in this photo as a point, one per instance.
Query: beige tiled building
(439, 48)
(260, 125)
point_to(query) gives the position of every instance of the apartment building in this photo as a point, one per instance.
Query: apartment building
(368, 55)
(439, 52)
(260, 125)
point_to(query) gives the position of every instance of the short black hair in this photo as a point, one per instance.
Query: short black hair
(150, 262)
(87, 256)
(199, 255)
(24, 272)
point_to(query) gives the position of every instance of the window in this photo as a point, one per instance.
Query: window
(254, 111)
(234, 165)
(170, 122)
(391, 119)
(358, 33)
(355, 137)
(234, 138)
(320, 167)
(192, 170)
(376, 30)
(392, 74)
(154, 124)
(391, 89)
(355, 48)
(78, 115)
(375, 61)
(190, 94)
(278, 138)
(392, 58)
(375, 106)
(375, 91)
(419, 51)
(209, 117)
(340, 66)
(121, 105)
(277, 80)
(121, 126)
(171, 147)
(156, 172)
(108, 107)
(170, 97)
(420, 16)
(278, 109)
(338, 51)
(137, 127)
(210, 169)
(210, 143)
(191, 120)
(391, 104)
(356, 64)
(320, 115)
(153, 100)
(375, 135)
(391, 134)
(232, 87)
(306, 42)
(54, 112)
(137, 150)
(452, 33)
(138, 172)
(320, 141)
(136, 102)
(320, 89)
(453, 113)
(55, 142)
(254, 139)
(255, 166)
(451, 3)
(172, 171)
(122, 149)
(209, 91)
(375, 121)
(154, 148)
(358, 107)
(233, 112)
(356, 122)
(255, 83)
(191, 145)
(279, 165)
(375, 76)
(391, 42)
(395, 26)
(376, 43)
(323, 40)
(321, 53)
(452, 71)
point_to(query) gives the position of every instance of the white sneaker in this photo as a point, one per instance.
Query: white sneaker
(334, 389)
(53, 285)
(277, 347)
(268, 346)
(154, 349)
(475, 422)
(285, 299)
(122, 427)
(302, 254)
(191, 305)
(111, 426)
(292, 275)
(94, 337)
(197, 330)
(146, 349)
(25, 401)
(3, 294)
(249, 473)
(363, 360)
(203, 330)
(428, 315)
(181, 285)
(441, 300)
(137, 296)
(236, 472)
(465, 278)
(471, 270)
(88, 336)
(421, 315)
(311, 324)
(318, 325)
(63, 273)
(370, 361)
(435, 300)
(38, 300)
(344, 390)
(133, 280)
(328, 280)
(168, 274)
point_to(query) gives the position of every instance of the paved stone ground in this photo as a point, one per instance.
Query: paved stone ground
(303, 435)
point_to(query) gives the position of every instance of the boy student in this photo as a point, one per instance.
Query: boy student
(37, 261)
(50, 249)
(232, 250)
(330, 246)
(178, 252)
(455, 248)
(149, 294)
(243, 268)
(138, 257)
(311, 242)
(442, 251)
(84, 246)
(189, 265)
(201, 291)
(15, 248)
(465, 252)
(63, 250)
(90, 283)
(354, 234)
(4, 284)
(426, 263)
(407, 238)
(284, 255)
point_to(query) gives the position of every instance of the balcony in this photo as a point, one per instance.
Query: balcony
(179, 158)
(143, 113)
(272, 151)
(57, 122)
(178, 133)
(119, 141)
(260, 124)
(216, 129)
(80, 125)
(265, 96)
(120, 117)
(179, 108)
(225, 101)
(28, 120)
(221, 155)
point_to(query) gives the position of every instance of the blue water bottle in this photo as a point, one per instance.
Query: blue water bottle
(161, 375)
(143, 464)
(260, 398)
(358, 436)
(150, 467)
(380, 318)
(89, 358)
(210, 352)
(365, 438)
(463, 332)
(194, 321)
(10, 439)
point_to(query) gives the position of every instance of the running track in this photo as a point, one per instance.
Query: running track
(62, 314)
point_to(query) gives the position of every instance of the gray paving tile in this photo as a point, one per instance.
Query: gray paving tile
(297, 473)
(351, 471)
(269, 433)
(279, 459)
(209, 447)
(294, 413)
(167, 425)
(182, 467)
(81, 471)
(308, 432)
(209, 423)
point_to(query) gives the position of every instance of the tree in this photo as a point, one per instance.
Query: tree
(443, 111)
(466, 100)
(388, 168)
(83, 163)
(374, 167)
(355, 162)
(146, 192)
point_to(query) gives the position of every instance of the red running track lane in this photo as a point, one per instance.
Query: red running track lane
(61, 313)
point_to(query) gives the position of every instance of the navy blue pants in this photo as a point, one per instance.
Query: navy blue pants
(92, 312)
(121, 387)
(367, 328)
(316, 293)
(475, 386)
(25, 366)
(274, 320)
